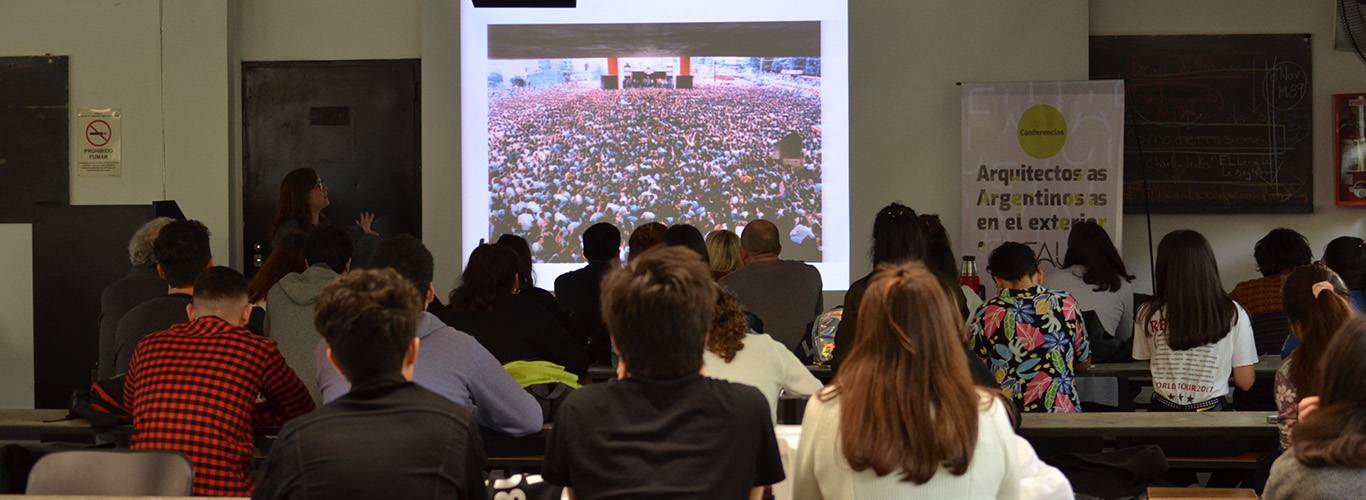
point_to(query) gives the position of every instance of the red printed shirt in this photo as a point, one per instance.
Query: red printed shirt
(200, 388)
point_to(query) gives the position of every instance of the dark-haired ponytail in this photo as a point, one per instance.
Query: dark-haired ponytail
(1316, 306)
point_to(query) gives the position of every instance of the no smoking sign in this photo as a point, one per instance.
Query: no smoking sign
(99, 153)
(98, 133)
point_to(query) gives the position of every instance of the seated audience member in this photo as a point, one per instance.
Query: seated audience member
(1094, 275)
(738, 354)
(1346, 256)
(182, 252)
(291, 302)
(687, 236)
(200, 387)
(1328, 460)
(1031, 337)
(453, 364)
(1191, 326)
(388, 438)
(1316, 303)
(1276, 254)
(723, 252)
(488, 305)
(902, 418)
(939, 258)
(141, 284)
(899, 236)
(663, 430)
(577, 291)
(785, 294)
(286, 257)
(644, 237)
(527, 287)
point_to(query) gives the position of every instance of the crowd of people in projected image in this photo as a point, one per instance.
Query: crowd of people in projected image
(565, 156)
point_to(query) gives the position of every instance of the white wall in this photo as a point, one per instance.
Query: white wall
(905, 120)
(115, 58)
(1233, 236)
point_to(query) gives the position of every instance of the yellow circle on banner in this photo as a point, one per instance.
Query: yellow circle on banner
(1042, 131)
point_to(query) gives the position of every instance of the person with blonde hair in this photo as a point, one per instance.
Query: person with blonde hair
(723, 249)
(902, 418)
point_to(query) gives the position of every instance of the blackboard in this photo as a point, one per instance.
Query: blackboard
(34, 128)
(1213, 123)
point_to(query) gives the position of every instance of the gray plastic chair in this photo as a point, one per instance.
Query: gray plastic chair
(112, 473)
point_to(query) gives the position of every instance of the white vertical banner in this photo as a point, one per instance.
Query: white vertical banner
(1039, 157)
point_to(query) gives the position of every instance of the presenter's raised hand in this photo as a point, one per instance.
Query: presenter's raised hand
(366, 219)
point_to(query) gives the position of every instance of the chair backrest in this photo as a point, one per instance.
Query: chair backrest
(112, 473)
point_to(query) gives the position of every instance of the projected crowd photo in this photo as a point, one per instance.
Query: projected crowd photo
(708, 141)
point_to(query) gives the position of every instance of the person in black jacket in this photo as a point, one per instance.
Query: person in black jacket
(527, 285)
(487, 305)
(577, 291)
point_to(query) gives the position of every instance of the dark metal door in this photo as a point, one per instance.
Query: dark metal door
(355, 122)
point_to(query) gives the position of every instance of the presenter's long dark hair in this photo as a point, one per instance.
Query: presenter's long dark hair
(1187, 289)
(292, 203)
(491, 270)
(1089, 246)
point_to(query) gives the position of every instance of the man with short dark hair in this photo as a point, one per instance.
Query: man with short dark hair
(182, 252)
(200, 387)
(140, 285)
(663, 430)
(290, 303)
(388, 437)
(1279, 252)
(453, 364)
(1031, 337)
(784, 294)
(577, 291)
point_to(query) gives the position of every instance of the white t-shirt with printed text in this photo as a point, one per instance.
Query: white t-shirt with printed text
(1198, 374)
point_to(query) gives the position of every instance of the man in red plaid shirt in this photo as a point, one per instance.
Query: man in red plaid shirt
(201, 387)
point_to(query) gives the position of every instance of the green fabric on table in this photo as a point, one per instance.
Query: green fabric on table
(529, 373)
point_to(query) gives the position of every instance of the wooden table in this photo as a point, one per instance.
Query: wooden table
(1149, 424)
(599, 373)
(31, 424)
(1156, 493)
(1266, 365)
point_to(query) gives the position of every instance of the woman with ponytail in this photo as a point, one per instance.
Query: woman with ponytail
(1328, 458)
(1316, 304)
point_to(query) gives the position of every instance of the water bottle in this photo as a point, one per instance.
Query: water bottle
(967, 276)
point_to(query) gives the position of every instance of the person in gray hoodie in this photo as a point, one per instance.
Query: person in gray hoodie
(290, 303)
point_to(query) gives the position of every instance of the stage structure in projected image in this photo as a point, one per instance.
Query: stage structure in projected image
(709, 124)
